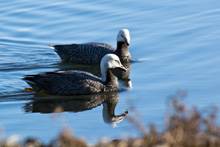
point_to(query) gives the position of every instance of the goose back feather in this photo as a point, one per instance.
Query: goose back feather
(88, 53)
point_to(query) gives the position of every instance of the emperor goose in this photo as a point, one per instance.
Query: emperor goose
(92, 53)
(75, 82)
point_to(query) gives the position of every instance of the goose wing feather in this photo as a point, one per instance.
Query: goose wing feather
(88, 53)
(66, 83)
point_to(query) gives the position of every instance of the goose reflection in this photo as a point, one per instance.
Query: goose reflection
(78, 104)
(123, 76)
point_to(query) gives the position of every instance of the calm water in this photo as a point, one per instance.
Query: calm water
(177, 42)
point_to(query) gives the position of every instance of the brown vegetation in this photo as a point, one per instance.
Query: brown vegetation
(184, 127)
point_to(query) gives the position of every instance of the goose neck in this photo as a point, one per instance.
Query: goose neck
(122, 49)
(109, 78)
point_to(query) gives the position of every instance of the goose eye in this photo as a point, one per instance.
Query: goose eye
(117, 61)
(122, 36)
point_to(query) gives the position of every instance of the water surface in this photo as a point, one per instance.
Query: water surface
(175, 42)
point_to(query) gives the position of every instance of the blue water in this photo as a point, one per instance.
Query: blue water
(176, 43)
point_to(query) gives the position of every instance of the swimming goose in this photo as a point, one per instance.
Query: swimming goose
(75, 82)
(92, 53)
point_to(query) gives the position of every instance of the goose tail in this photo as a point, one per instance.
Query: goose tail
(31, 81)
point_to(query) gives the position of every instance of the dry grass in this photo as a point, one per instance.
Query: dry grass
(184, 127)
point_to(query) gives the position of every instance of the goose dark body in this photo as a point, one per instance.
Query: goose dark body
(88, 53)
(92, 53)
(71, 83)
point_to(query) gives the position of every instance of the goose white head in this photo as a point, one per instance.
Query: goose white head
(110, 61)
(123, 36)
